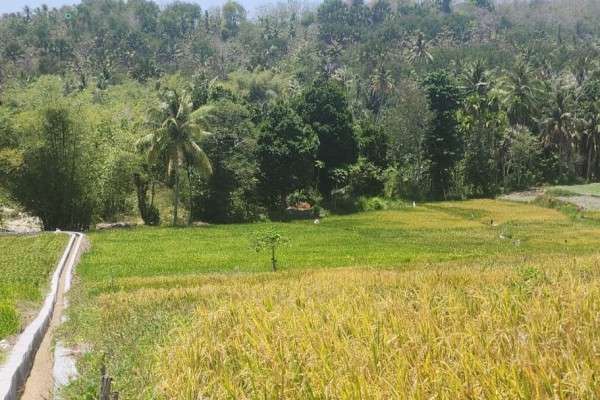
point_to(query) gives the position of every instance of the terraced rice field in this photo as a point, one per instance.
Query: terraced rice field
(26, 265)
(477, 299)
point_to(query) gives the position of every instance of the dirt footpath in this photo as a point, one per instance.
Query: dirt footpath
(588, 203)
(523, 197)
(40, 384)
(585, 202)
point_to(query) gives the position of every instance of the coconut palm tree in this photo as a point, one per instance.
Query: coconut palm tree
(419, 50)
(558, 123)
(581, 68)
(476, 78)
(173, 140)
(518, 93)
(381, 84)
(590, 140)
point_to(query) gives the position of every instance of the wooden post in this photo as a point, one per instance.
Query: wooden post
(106, 392)
(105, 385)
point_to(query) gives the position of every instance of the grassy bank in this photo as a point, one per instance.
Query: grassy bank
(480, 298)
(26, 265)
(591, 189)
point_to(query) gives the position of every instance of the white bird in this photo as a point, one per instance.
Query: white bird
(317, 221)
(414, 204)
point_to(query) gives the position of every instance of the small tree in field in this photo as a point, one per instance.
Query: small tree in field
(269, 240)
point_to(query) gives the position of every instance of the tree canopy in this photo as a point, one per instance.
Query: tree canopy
(323, 104)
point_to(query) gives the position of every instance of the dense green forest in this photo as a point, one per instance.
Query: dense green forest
(108, 105)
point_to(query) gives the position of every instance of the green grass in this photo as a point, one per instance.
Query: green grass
(592, 189)
(435, 233)
(26, 265)
(145, 294)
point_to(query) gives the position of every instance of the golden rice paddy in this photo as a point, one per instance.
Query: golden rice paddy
(478, 299)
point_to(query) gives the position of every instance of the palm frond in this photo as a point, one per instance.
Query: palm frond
(146, 142)
(198, 158)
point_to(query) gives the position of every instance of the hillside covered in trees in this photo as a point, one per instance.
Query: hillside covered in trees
(107, 105)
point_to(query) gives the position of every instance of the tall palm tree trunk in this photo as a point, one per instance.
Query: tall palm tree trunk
(152, 193)
(588, 174)
(176, 198)
(189, 174)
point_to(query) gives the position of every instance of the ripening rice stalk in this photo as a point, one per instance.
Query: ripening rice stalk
(526, 332)
(488, 300)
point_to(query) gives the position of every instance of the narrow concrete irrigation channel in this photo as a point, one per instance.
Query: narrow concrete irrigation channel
(28, 370)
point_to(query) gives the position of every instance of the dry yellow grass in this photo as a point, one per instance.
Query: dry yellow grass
(500, 333)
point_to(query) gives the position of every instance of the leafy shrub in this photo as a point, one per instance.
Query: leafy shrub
(10, 161)
(116, 186)
(360, 179)
(523, 164)
(371, 204)
(365, 178)
(461, 187)
(342, 202)
(378, 203)
(243, 206)
(407, 182)
(312, 197)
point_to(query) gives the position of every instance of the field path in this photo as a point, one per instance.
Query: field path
(40, 384)
(589, 203)
(584, 201)
(527, 196)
